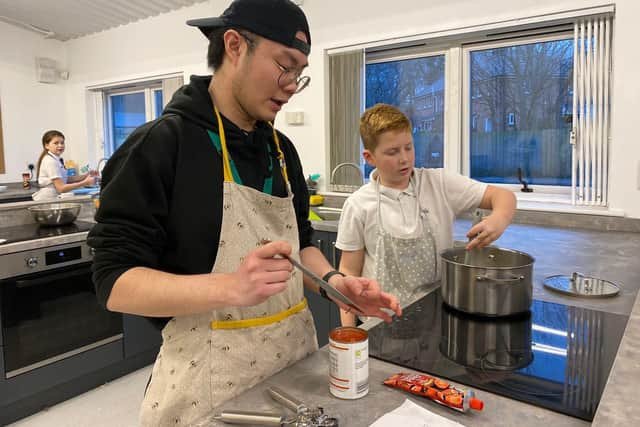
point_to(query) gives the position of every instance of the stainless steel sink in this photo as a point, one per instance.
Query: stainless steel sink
(327, 213)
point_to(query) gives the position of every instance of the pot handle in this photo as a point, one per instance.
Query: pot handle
(508, 281)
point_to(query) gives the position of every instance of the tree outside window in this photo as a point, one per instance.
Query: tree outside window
(522, 95)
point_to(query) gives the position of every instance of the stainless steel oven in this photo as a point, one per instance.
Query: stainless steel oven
(48, 307)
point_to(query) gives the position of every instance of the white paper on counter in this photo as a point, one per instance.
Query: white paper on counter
(410, 414)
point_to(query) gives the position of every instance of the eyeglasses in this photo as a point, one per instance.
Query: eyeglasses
(287, 75)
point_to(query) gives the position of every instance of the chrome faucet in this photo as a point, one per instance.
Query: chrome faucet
(98, 177)
(341, 165)
(104, 159)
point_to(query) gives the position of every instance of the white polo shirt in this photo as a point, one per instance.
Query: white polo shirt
(443, 194)
(50, 168)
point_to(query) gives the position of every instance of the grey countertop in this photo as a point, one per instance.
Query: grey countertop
(307, 380)
(609, 255)
(15, 192)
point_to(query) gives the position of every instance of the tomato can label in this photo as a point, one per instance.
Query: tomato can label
(349, 362)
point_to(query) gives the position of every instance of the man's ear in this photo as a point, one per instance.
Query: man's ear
(232, 45)
(369, 158)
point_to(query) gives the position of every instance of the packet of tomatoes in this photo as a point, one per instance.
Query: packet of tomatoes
(437, 390)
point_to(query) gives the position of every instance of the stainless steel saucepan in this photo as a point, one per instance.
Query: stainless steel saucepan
(487, 281)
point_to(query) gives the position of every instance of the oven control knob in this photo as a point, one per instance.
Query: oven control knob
(32, 262)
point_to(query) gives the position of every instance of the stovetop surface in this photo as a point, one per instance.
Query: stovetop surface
(22, 233)
(557, 356)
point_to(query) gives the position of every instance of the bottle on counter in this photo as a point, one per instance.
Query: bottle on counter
(26, 180)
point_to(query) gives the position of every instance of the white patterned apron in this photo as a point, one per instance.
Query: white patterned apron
(405, 264)
(208, 358)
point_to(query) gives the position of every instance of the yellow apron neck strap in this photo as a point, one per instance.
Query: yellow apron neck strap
(283, 164)
(228, 176)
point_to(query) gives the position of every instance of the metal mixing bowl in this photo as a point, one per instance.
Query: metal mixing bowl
(55, 213)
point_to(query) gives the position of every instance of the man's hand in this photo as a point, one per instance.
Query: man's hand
(260, 275)
(366, 293)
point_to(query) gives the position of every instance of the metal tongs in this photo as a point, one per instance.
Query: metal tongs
(305, 416)
(331, 291)
(324, 285)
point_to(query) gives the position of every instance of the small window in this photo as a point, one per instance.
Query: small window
(127, 110)
(511, 119)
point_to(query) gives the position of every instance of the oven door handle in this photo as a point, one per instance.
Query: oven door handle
(48, 277)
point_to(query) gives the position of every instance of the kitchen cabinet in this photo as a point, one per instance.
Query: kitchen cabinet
(326, 242)
(326, 314)
(140, 336)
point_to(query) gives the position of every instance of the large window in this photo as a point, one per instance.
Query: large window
(522, 93)
(417, 87)
(521, 107)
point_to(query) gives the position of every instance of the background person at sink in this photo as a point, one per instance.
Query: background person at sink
(191, 255)
(393, 228)
(52, 175)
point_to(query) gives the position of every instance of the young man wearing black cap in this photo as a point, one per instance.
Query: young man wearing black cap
(196, 209)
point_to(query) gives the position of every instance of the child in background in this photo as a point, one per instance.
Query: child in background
(52, 175)
(393, 228)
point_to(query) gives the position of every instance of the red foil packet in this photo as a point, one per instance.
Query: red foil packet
(437, 390)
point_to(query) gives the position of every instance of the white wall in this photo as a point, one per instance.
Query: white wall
(165, 44)
(29, 108)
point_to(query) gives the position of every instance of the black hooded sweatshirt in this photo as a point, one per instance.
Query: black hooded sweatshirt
(161, 195)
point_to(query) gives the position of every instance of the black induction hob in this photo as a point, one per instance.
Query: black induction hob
(557, 356)
(21, 233)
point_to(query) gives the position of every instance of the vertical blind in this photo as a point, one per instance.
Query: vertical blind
(590, 128)
(345, 91)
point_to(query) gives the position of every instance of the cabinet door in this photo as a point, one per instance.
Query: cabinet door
(321, 310)
(140, 335)
(333, 253)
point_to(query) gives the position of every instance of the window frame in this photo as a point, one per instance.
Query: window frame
(552, 190)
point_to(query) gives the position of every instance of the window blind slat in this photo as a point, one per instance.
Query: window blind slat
(590, 134)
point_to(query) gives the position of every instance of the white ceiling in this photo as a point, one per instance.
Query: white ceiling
(67, 19)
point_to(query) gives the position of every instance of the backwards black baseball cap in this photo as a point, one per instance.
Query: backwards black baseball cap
(277, 20)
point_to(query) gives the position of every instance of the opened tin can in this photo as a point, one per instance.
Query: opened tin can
(349, 362)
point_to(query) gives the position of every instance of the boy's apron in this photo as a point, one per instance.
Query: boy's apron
(405, 264)
(208, 358)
